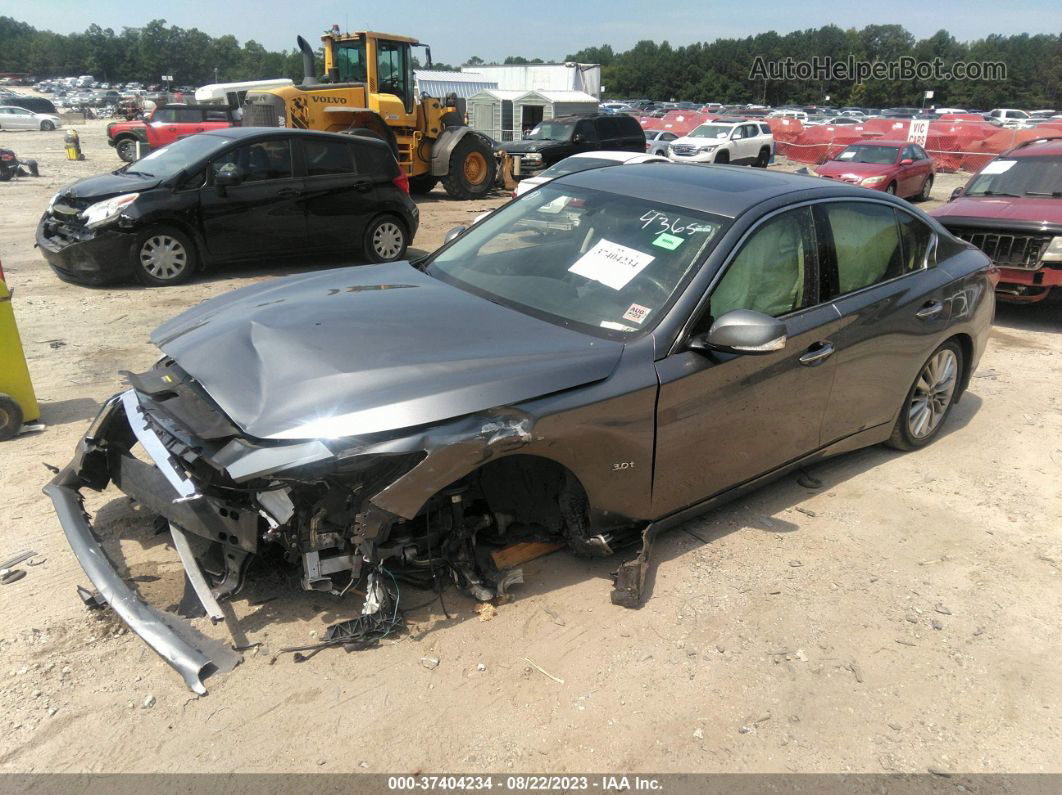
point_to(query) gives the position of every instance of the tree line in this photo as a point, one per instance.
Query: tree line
(721, 71)
(718, 71)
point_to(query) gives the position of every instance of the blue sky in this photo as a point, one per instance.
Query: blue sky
(547, 29)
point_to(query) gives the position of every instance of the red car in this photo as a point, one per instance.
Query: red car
(901, 168)
(165, 125)
(1012, 210)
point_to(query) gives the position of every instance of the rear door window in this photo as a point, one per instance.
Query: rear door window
(864, 240)
(324, 158)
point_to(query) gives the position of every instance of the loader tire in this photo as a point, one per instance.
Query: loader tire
(422, 184)
(472, 169)
(10, 417)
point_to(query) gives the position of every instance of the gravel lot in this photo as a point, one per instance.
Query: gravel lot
(903, 617)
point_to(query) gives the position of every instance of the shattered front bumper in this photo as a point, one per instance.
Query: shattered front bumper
(194, 656)
(83, 255)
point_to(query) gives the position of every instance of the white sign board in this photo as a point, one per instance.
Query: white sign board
(918, 131)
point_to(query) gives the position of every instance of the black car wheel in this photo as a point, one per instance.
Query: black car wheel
(47, 126)
(927, 186)
(164, 256)
(10, 417)
(386, 239)
(929, 400)
(126, 149)
(472, 169)
(763, 159)
(722, 158)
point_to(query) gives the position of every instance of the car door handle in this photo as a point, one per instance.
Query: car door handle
(931, 309)
(363, 187)
(287, 193)
(817, 354)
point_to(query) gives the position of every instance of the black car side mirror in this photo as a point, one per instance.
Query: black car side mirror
(742, 331)
(955, 194)
(455, 232)
(227, 178)
(578, 138)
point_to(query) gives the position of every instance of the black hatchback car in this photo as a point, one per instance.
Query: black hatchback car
(228, 195)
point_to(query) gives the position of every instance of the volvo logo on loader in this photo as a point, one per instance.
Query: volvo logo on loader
(334, 100)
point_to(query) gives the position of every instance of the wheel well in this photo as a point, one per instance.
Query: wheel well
(966, 346)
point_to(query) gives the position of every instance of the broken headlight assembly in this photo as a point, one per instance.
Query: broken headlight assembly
(107, 211)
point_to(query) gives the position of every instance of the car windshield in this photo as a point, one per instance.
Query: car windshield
(711, 131)
(551, 131)
(571, 165)
(600, 262)
(1023, 176)
(179, 155)
(879, 155)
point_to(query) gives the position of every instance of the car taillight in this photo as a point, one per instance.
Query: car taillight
(402, 181)
(7, 156)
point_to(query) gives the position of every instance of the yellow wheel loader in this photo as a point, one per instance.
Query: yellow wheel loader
(368, 89)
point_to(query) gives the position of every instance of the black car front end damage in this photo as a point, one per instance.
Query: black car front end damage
(357, 511)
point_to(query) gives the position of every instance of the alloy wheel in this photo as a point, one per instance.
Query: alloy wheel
(163, 257)
(387, 240)
(932, 394)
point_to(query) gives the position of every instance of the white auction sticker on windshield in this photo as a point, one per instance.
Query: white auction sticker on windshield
(636, 313)
(998, 166)
(611, 264)
(846, 155)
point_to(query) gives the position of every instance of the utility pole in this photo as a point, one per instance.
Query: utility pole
(215, 74)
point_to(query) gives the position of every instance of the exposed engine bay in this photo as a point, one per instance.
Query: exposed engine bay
(357, 513)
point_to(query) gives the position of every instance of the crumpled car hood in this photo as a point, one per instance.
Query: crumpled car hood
(358, 350)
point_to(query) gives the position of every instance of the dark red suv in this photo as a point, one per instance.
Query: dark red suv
(165, 125)
(1012, 210)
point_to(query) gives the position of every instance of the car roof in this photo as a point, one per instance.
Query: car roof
(1037, 147)
(722, 190)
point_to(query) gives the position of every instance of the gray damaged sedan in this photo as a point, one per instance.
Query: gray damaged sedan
(594, 362)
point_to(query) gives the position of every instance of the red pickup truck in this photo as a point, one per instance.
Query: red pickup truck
(165, 125)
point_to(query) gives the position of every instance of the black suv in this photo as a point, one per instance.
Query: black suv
(239, 193)
(555, 139)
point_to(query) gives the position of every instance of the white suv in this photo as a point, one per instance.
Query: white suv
(725, 141)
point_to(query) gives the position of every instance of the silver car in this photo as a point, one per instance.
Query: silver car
(15, 118)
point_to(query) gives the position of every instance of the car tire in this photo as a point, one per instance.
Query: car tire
(10, 417)
(722, 158)
(47, 126)
(472, 169)
(126, 149)
(164, 256)
(763, 159)
(386, 239)
(930, 398)
(891, 189)
(6, 174)
(418, 186)
(927, 188)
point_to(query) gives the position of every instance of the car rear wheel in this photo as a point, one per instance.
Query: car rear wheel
(763, 159)
(47, 126)
(10, 417)
(126, 149)
(164, 256)
(929, 400)
(927, 187)
(386, 240)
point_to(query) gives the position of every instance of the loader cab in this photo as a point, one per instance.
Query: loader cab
(383, 62)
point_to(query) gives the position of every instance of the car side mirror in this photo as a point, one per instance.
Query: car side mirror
(955, 194)
(227, 178)
(742, 331)
(906, 162)
(456, 232)
(578, 138)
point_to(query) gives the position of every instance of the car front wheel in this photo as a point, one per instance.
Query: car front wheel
(386, 240)
(126, 149)
(47, 126)
(164, 256)
(929, 400)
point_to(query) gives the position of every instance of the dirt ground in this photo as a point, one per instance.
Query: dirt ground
(903, 617)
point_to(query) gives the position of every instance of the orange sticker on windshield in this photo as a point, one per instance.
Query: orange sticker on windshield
(636, 313)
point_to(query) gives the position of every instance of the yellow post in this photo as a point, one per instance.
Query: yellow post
(18, 403)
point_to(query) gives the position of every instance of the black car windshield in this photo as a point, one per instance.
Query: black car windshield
(551, 131)
(572, 165)
(176, 157)
(600, 262)
(712, 131)
(877, 155)
(1020, 176)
